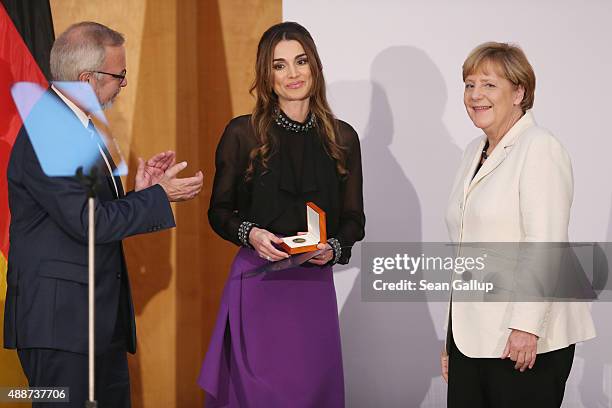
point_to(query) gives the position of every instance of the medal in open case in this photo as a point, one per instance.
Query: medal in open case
(317, 233)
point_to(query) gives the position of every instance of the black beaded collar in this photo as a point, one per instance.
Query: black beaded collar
(286, 123)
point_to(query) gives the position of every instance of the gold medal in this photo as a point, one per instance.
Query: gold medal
(299, 240)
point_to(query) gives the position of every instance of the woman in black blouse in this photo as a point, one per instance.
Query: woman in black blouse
(277, 340)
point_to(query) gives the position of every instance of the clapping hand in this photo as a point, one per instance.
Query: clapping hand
(181, 189)
(152, 171)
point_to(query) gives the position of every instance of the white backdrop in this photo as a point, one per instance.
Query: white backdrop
(393, 70)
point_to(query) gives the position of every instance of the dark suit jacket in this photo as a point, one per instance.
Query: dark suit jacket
(47, 300)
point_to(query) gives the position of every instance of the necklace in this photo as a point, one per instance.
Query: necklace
(283, 121)
(484, 155)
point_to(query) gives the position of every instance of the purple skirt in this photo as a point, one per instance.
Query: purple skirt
(276, 342)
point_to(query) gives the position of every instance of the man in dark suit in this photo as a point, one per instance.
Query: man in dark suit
(46, 315)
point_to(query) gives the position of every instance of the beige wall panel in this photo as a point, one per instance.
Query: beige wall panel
(151, 257)
(190, 276)
(242, 24)
(229, 32)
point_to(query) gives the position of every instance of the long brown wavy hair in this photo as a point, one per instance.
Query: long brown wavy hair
(267, 100)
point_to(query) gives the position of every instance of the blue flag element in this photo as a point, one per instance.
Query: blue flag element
(61, 143)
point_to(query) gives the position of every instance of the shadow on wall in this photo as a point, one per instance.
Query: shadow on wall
(391, 349)
(148, 259)
(149, 255)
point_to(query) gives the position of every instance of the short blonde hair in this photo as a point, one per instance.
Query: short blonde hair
(510, 61)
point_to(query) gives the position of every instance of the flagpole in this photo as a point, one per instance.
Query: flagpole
(92, 228)
(89, 181)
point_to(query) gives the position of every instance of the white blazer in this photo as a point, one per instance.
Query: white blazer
(522, 193)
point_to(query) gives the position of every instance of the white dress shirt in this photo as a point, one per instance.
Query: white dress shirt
(85, 121)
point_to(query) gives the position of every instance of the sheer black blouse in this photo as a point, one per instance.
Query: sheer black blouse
(299, 171)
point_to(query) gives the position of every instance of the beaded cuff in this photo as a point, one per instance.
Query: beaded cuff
(337, 248)
(244, 231)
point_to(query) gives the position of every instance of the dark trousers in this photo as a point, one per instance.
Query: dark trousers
(494, 383)
(56, 368)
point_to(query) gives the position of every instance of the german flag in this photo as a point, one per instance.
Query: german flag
(26, 36)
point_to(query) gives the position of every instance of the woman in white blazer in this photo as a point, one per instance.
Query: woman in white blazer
(514, 185)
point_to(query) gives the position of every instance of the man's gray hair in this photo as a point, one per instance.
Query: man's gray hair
(81, 48)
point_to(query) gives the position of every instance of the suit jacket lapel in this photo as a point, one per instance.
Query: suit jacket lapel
(109, 173)
(469, 175)
(113, 166)
(119, 186)
(499, 154)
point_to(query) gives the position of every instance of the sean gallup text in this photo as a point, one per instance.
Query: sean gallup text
(424, 285)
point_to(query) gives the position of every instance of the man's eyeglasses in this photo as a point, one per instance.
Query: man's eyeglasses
(120, 77)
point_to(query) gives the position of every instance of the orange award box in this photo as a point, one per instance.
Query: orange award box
(317, 233)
